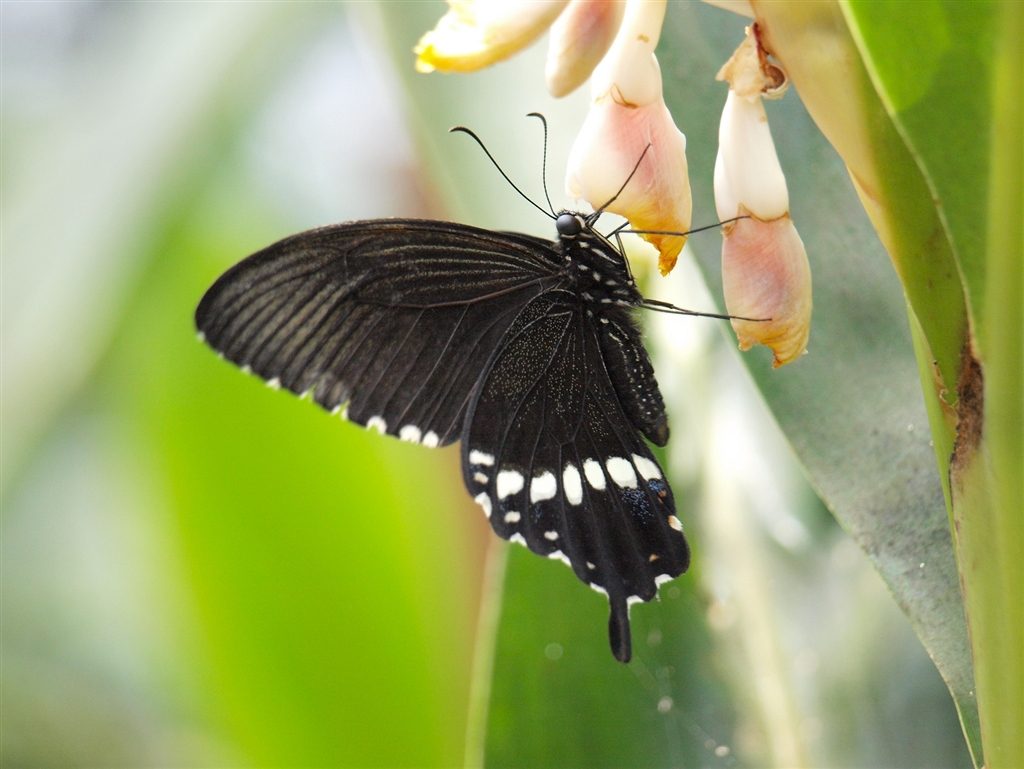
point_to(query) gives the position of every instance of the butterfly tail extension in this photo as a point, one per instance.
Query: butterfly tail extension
(619, 633)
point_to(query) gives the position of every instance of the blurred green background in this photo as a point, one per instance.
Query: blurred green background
(198, 571)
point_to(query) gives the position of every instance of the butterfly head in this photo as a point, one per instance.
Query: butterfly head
(569, 225)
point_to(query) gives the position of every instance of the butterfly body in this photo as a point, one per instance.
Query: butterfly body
(527, 350)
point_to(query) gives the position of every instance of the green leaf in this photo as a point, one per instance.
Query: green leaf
(559, 699)
(334, 575)
(852, 408)
(950, 75)
(336, 581)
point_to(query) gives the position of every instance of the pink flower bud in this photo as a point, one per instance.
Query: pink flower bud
(627, 117)
(580, 38)
(765, 273)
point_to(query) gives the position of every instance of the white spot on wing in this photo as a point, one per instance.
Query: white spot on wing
(661, 579)
(622, 472)
(410, 433)
(246, 369)
(598, 588)
(595, 475)
(336, 410)
(543, 487)
(573, 484)
(646, 467)
(518, 538)
(509, 482)
(344, 412)
(379, 424)
(512, 517)
(675, 523)
(552, 535)
(480, 478)
(274, 384)
(480, 458)
(630, 600)
(485, 502)
(202, 336)
(558, 555)
(590, 565)
(430, 440)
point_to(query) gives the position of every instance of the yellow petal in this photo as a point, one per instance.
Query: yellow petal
(477, 33)
(766, 277)
(580, 38)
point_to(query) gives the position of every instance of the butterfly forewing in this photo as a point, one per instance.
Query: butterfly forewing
(395, 318)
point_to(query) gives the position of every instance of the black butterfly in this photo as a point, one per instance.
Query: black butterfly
(526, 350)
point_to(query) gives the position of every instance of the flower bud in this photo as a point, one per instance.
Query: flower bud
(580, 38)
(627, 118)
(477, 33)
(765, 273)
(747, 170)
(766, 277)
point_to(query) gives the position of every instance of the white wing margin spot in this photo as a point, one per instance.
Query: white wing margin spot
(410, 433)
(595, 475)
(572, 484)
(485, 502)
(543, 486)
(622, 472)
(509, 482)
(480, 458)
(558, 555)
(648, 470)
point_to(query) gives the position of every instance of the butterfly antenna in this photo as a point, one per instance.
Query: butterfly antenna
(593, 217)
(544, 162)
(671, 309)
(463, 129)
(621, 229)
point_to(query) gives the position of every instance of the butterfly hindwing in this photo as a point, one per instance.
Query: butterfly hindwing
(395, 318)
(552, 455)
